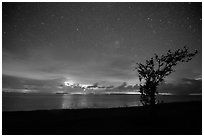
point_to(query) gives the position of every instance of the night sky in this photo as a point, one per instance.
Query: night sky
(89, 43)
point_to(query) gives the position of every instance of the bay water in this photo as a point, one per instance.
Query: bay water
(36, 101)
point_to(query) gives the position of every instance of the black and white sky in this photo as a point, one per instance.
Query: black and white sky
(100, 43)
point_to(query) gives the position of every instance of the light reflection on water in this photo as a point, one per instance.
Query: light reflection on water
(74, 101)
(98, 101)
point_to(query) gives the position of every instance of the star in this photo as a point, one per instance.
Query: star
(77, 29)
(187, 18)
(169, 22)
(149, 19)
(117, 42)
(118, 19)
(82, 10)
(154, 31)
(129, 7)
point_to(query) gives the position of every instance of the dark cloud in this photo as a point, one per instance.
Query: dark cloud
(95, 85)
(122, 86)
(125, 87)
(183, 87)
(11, 82)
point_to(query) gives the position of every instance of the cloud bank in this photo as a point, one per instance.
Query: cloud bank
(17, 84)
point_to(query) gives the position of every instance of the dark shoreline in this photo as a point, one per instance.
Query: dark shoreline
(164, 119)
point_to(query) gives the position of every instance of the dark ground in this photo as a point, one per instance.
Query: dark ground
(165, 119)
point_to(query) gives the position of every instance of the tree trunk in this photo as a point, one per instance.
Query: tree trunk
(152, 99)
(153, 96)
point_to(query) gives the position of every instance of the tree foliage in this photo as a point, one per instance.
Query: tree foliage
(153, 72)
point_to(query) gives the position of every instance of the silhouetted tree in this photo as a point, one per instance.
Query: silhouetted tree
(153, 72)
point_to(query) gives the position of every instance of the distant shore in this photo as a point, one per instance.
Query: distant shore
(166, 119)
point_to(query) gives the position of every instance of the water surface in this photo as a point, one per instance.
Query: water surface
(18, 102)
